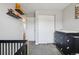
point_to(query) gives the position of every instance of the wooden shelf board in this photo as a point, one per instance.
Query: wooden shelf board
(19, 11)
(13, 15)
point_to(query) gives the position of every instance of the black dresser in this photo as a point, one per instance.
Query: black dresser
(67, 43)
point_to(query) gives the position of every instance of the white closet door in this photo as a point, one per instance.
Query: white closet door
(45, 29)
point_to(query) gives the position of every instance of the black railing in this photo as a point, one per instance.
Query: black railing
(13, 47)
(22, 50)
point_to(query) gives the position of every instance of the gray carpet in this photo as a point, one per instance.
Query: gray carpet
(43, 49)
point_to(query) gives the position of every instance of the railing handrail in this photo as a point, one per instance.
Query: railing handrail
(13, 41)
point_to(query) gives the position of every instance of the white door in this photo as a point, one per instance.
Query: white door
(45, 29)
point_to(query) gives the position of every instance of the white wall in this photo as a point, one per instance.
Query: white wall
(10, 28)
(30, 28)
(31, 7)
(58, 20)
(69, 21)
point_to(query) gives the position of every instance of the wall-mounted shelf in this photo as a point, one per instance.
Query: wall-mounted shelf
(17, 12)
(11, 13)
(20, 11)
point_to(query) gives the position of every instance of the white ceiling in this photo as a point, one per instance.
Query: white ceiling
(30, 8)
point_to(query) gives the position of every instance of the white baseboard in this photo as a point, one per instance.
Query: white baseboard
(36, 43)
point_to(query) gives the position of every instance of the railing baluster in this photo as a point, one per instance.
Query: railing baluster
(20, 45)
(6, 48)
(3, 49)
(23, 48)
(11, 48)
(14, 47)
(17, 46)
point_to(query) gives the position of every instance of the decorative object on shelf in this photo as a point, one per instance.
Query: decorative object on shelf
(17, 13)
(19, 9)
(13, 14)
(77, 11)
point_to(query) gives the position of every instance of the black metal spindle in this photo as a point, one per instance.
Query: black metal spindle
(20, 45)
(11, 48)
(17, 46)
(6, 48)
(3, 49)
(14, 47)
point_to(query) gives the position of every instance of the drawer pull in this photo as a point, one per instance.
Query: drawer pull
(67, 48)
(67, 40)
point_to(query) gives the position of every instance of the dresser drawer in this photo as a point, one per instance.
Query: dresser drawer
(67, 50)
